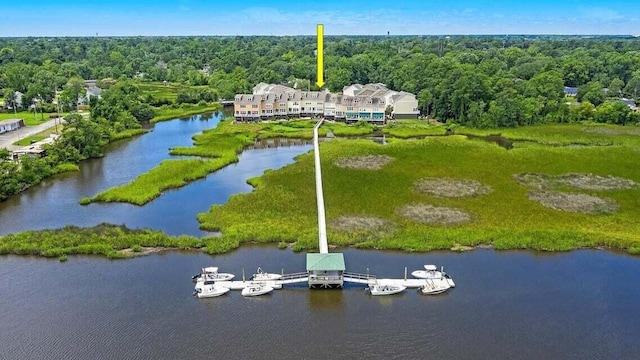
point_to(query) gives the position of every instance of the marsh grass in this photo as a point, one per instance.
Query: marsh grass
(282, 207)
(60, 168)
(167, 113)
(104, 239)
(221, 146)
(128, 134)
(169, 174)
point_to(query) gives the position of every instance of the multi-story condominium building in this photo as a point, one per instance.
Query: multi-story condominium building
(357, 102)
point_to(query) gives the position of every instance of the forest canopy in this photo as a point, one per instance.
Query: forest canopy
(481, 81)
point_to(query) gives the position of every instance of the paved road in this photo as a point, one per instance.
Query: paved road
(10, 137)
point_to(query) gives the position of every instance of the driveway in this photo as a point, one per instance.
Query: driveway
(10, 137)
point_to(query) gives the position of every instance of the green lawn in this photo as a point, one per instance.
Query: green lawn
(39, 136)
(28, 117)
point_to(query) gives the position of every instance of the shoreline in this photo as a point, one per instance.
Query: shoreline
(133, 252)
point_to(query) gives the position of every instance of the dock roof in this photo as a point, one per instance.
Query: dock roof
(325, 262)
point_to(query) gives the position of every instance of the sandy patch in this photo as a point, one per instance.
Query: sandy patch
(429, 214)
(608, 131)
(581, 203)
(369, 162)
(575, 180)
(145, 251)
(444, 187)
(360, 223)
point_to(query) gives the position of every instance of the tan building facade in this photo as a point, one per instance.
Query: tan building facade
(356, 103)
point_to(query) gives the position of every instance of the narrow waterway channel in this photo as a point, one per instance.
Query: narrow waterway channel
(54, 202)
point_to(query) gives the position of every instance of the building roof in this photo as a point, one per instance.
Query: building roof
(325, 262)
(10, 121)
(628, 102)
(570, 90)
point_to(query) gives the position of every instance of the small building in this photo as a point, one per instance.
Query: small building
(570, 91)
(325, 270)
(10, 125)
(630, 103)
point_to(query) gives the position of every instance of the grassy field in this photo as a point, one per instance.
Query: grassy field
(282, 207)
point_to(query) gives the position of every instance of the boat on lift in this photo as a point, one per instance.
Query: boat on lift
(211, 273)
(210, 290)
(435, 286)
(432, 272)
(380, 288)
(256, 290)
(260, 275)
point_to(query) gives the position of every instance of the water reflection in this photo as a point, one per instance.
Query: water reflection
(55, 202)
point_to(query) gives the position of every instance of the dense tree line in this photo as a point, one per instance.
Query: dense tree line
(477, 81)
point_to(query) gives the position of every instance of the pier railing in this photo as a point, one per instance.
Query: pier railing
(293, 278)
(358, 278)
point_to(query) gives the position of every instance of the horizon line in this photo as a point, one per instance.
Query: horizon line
(313, 35)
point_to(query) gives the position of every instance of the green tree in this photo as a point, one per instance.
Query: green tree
(592, 92)
(615, 88)
(75, 86)
(614, 112)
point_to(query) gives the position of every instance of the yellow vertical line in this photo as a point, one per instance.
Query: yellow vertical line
(320, 50)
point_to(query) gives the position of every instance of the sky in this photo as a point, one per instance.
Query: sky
(340, 17)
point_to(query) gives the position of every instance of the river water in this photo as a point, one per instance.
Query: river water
(507, 305)
(54, 202)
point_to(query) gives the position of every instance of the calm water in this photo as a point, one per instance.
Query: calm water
(507, 305)
(54, 202)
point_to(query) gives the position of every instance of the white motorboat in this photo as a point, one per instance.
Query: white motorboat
(256, 289)
(211, 273)
(431, 272)
(211, 290)
(435, 286)
(260, 275)
(385, 289)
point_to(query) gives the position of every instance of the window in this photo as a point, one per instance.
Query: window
(308, 103)
(243, 106)
(254, 106)
(349, 108)
(375, 109)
